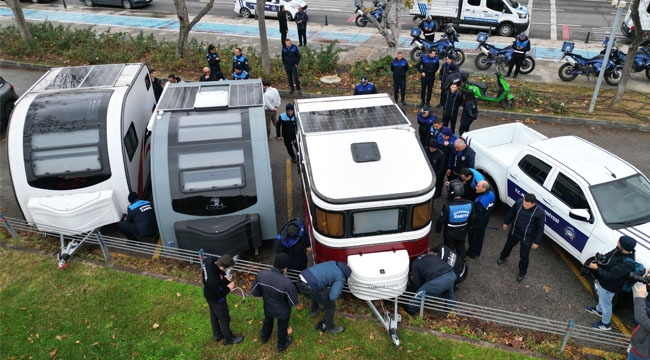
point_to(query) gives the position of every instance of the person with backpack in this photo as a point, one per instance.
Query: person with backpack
(611, 273)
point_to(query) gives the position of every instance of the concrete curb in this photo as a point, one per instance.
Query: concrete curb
(515, 116)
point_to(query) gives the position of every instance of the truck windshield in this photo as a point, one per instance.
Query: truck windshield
(624, 202)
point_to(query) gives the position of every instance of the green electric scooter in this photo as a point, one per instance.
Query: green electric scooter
(504, 96)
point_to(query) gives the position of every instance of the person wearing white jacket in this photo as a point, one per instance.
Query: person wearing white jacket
(271, 104)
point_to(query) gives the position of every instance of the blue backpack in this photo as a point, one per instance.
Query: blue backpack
(639, 269)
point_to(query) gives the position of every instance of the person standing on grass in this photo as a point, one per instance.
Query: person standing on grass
(216, 286)
(279, 295)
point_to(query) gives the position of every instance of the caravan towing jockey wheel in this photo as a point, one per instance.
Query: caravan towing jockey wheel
(62, 264)
(394, 337)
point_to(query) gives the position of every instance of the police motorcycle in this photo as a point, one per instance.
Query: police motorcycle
(490, 54)
(577, 65)
(480, 89)
(442, 47)
(641, 58)
(362, 17)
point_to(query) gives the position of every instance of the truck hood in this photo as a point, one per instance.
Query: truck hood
(641, 233)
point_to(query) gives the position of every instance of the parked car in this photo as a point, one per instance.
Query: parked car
(127, 4)
(7, 98)
(246, 8)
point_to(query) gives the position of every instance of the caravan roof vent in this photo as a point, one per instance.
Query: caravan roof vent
(365, 152)
(178, 98)
(246, 94)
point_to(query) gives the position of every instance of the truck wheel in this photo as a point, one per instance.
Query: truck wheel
(416, 53)
(481, 62)
(459, 57)
(245, 13)
(564, 72)
(506, 30)
(528, 65)
(360, 21)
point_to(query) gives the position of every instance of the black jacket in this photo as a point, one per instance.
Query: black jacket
(613, 275)
(428, 267)
(277, 291)
(641, 335)
(298, 251)
(215, 283)
(527, 225)
(282, 20)
(451, 102)
(437, 161)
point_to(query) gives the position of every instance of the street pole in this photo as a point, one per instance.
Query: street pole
(620, 4)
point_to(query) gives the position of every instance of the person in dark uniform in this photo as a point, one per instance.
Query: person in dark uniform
(438, 164)
(425, 121)
(216, 286)
(431, 276)
(460, 157)
(240, 73)
(140, 219)
(286, 129)
(214, 61)
(452, 99)
(640, 341)
(456, 217)
(483, 206)
(294, 241)
(427, 67)
(399, 66)
(291, 60)
(323, 284)
(444, 72)
(282, 21)
(279, 295)
(449, 256)
(240, 59)
(446, 142)
(469, 114)
(301, 20)
(470, 178)
(156, 84)
(521, 45)
(365, 87)
(428, 27)
(526, 221)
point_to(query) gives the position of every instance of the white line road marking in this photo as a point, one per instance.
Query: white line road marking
(553, 21)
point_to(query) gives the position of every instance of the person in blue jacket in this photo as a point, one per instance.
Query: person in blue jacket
(365, 87)
(239, 73)
(140, 219)
(456, 218)
(291, 60)
(483, 206)
(428, 27)
(425, 122)
(286, 129)
(240, 59)
(323, 284)
(521, 45)
(427, 67)
(399, 66)
(470, 178)
(213, 60)
(294, 241)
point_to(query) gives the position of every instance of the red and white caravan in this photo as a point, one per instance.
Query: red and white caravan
(367, 188)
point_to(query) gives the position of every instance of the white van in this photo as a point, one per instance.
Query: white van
(246, 8)
(644, 13)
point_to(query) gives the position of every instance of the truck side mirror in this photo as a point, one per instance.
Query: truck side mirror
(581, 214)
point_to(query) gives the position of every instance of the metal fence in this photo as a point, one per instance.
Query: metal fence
(567, 329)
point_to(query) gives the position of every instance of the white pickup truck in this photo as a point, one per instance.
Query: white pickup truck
(591, 197)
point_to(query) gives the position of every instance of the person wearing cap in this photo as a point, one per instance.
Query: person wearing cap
(286, 129)
(525, 219)
(140, 219)
(456, 218)
(323, 283)
(452, 99)
(365, 87)
(611, 277)
(428, 27)
(425, 121)
(294, 241)
(427, 67)
(433, 277)
(216, 286)
(399, 66)
(438, 164)
(279, 296)
(239, 73)
(521, 45)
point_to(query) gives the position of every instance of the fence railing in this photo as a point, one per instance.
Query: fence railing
(567, 329)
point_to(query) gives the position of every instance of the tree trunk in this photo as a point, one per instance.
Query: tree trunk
(21, 23)
(264, 41)
(638, 39)
(185, 25)
(391, 36)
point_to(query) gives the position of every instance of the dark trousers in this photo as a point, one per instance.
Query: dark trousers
(423, 131)
(517, 60)
(127, 229)
(524, 252)
(292, 77)
(283, 35)
(220, 319)
(291, 144)
(440, 178)
(477, 234)
(450, 119)
(302, 36)
(320, 299)
(399, 85)
(267, 329)
(464, 127)
(455, 239)
(426, 84)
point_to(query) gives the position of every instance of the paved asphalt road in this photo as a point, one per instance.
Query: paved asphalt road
(550, 290)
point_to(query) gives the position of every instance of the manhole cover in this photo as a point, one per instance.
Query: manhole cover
(330, 79)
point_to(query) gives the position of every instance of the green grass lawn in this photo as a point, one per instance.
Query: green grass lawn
(93, 312)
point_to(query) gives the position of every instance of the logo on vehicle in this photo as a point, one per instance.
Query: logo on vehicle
(569, 233)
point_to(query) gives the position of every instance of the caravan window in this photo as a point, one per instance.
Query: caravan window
(421, 215)
(65, 140)
(330, 223)
(377, 222)
(131, 142)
